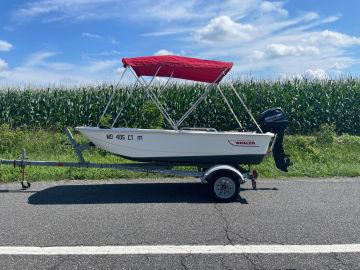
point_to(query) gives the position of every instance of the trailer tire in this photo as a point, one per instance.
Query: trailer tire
(224, 186)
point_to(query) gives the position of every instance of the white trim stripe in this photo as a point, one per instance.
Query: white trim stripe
(184, 249)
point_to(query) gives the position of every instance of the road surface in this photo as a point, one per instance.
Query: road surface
(172, 224)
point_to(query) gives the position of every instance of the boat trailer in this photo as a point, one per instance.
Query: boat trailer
(224, 180)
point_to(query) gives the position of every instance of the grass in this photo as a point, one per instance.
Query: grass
(314, 158)
(322, 155)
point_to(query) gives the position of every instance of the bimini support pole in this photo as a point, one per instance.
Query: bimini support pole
(201, 98)
(120, 111)
(193, 107)
(153, 97)
(229, 106)
(126, 100)
(112, 96)
(246, 108)
(163, 86)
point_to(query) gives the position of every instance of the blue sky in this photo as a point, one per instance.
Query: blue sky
(83, 41)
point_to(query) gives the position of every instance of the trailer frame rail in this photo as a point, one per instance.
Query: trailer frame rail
(165, 168)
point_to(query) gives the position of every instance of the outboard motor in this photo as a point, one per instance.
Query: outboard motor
(274, 120)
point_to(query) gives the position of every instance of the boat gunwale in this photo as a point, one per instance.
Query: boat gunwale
(174, 132)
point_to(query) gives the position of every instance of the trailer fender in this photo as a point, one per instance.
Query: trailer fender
(226, 168)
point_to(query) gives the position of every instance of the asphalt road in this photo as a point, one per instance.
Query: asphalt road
(179, 212)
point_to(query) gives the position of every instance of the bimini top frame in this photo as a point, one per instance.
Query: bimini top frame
(170, 66)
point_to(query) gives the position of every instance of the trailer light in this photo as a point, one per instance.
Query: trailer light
(254, 174)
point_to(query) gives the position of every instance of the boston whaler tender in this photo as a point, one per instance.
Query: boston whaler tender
(218, 155)
(202, 147)
(178, 145)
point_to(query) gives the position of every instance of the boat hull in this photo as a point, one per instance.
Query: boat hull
(184, 146)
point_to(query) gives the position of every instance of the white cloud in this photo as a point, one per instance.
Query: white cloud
(41, 60)
(111, 40)
(169, 10)
(309, 74)
(163, 52)
(260, 36)
(39, 70)
(98, 66)
(37, 76)
(311, 16)
(38, 58)
(258, 55)
(223, 28)
(340, 65)
(316, 74)
(5, 46)
(90, 35)
(37, 8)
(281, 50)
(58, 10)
(167, 32)
(3, 65)
(333, 38)
(282, 45)
(119, 71)
(273, 7)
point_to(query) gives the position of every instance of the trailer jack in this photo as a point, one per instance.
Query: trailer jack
(24, 183)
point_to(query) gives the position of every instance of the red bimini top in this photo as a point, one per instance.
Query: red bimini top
(179, 67)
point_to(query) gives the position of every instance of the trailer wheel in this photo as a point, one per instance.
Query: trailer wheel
(224, 186)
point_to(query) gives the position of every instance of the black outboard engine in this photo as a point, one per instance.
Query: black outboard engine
(274, 120)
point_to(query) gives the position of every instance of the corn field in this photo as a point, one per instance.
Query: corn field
(308, 105)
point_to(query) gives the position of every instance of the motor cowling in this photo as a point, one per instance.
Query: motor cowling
(274, 120)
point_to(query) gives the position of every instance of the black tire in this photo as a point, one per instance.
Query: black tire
(224, 186)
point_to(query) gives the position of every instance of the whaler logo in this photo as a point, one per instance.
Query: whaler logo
(243, 143)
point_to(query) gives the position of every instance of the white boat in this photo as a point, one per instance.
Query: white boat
(190, 146)
(182, 146)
